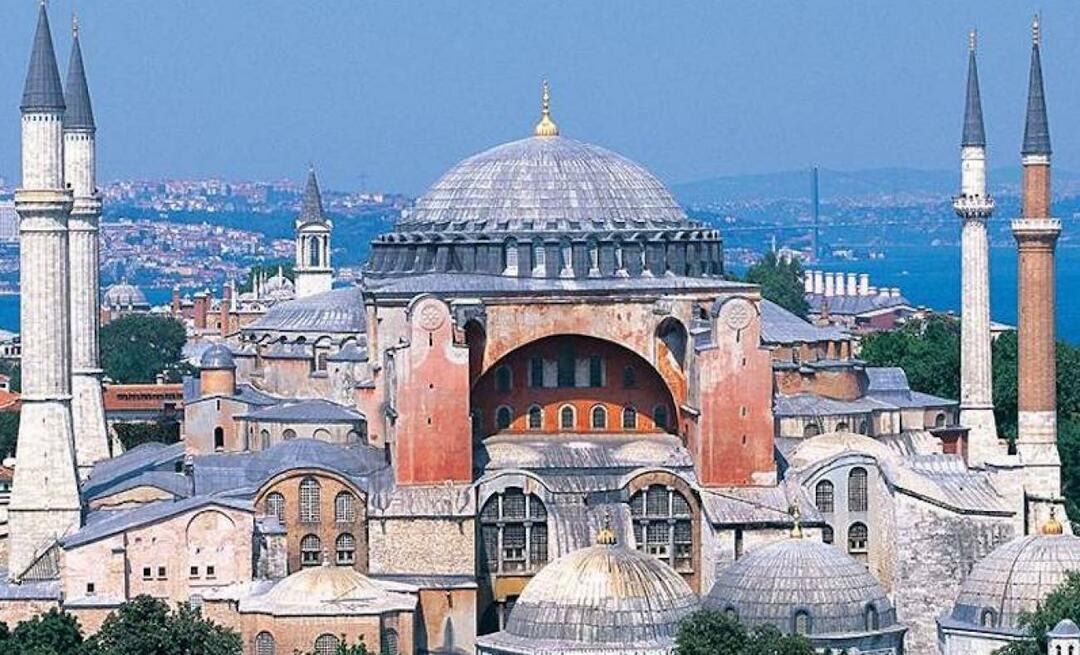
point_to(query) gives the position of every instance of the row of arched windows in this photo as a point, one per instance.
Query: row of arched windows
(327, 644)
(598, 417)
(802, 621)
(858, 497)
(310, 508)
(344, 550)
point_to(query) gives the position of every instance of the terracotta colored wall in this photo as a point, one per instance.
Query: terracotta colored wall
(1036, 330)
(327, 529)
(298, 634)
(842, 385)
(449, 621)
(732, 439)
(1036, 191)
(649, 392)
(433, 433)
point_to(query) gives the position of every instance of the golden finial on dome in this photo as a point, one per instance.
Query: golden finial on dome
(796, 517)
(605, 536)
(1052, 525)
(546, 127)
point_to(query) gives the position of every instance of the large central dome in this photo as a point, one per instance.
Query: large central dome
(547, 207)
(545, 184)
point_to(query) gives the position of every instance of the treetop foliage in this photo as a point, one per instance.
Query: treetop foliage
(137, 347)
(710, 632)
(781, 282)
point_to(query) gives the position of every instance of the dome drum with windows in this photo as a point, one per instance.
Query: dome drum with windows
(548, 207)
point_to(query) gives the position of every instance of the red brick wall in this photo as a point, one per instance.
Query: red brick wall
(649, 392)
(433, 433)
(1036, 191)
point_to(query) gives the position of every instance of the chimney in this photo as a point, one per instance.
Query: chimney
(883, 292)
(226, 305)
(838, 283)
(819, 282)
(852, 285)
(894, 292)
(828, 285)
(176, 301)
(864, 284)
(808, 282)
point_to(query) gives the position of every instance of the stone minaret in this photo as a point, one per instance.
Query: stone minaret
(313, 272)
(1036, 235)
(45, 498)
(87, 408)
(974, 207)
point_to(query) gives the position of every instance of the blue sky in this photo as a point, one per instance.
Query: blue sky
(398, 91)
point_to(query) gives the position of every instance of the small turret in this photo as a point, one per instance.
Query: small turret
(313, 272)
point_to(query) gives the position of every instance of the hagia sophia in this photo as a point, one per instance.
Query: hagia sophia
(544, 422)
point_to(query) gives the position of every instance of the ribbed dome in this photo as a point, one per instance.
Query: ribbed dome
(336, 311)
(544, 184)
(604, 598)
(768, 586)
(1014, 578)
(124, 295)
(217, 357)
(323, 584)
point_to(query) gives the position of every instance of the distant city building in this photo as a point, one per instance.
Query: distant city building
(848, 300)
(9, 222)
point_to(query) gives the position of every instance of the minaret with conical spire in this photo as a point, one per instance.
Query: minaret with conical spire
(974, 206)
(1036, 235)
(313, 272)
(80, 159)
(45, 498)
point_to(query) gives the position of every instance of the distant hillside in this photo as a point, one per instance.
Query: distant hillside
(868, 184)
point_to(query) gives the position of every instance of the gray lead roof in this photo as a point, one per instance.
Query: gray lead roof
(43, 91)
(974, 134)
(311, 210)
(79, 113)
(1037, 126)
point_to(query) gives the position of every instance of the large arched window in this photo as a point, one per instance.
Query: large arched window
(673, 335)
(811, 430)
(536, 417)
(275, 506)
(858, 539)
(326, 645)
(857, 500)
(264, 439)
(288, 434)
(660, 417)
(264, 644)
(309, 501)
(513, 529)
(599, 417)
(504, 416)
(345, 548)
(629, 418)
(823, 496)
(663, 526)
(504, 379)
(827, 534)
(310, 550)
(567, 419)
(390, 642)
(344, 507)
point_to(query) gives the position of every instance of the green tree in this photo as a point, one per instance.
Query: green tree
(928, 351)
(53, 633)
(135, 434)
(137, 347)
(1062, 603)
(359, 648)
(13, 370)
(781, 282)
(708, 632)
(144, 625)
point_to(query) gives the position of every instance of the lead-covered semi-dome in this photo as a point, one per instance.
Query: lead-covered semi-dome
(551, 207)
(603, 599)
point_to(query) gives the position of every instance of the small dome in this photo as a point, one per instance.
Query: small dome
(217, 357)
(323, 584)
(124, 296)
(1064, 628)
(771, 585)
(1014, 578)
(600, 599)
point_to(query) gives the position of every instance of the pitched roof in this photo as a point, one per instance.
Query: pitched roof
(974, 134)
(780, 326)
(104, 523)
(314, 410)
(79, 114)
(42, 91)
(1036, 125)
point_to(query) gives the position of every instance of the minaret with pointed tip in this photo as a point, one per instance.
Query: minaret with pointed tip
(1036, 235)
(974, 206)
(45, 501)
(80, 158)
(313, 272)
